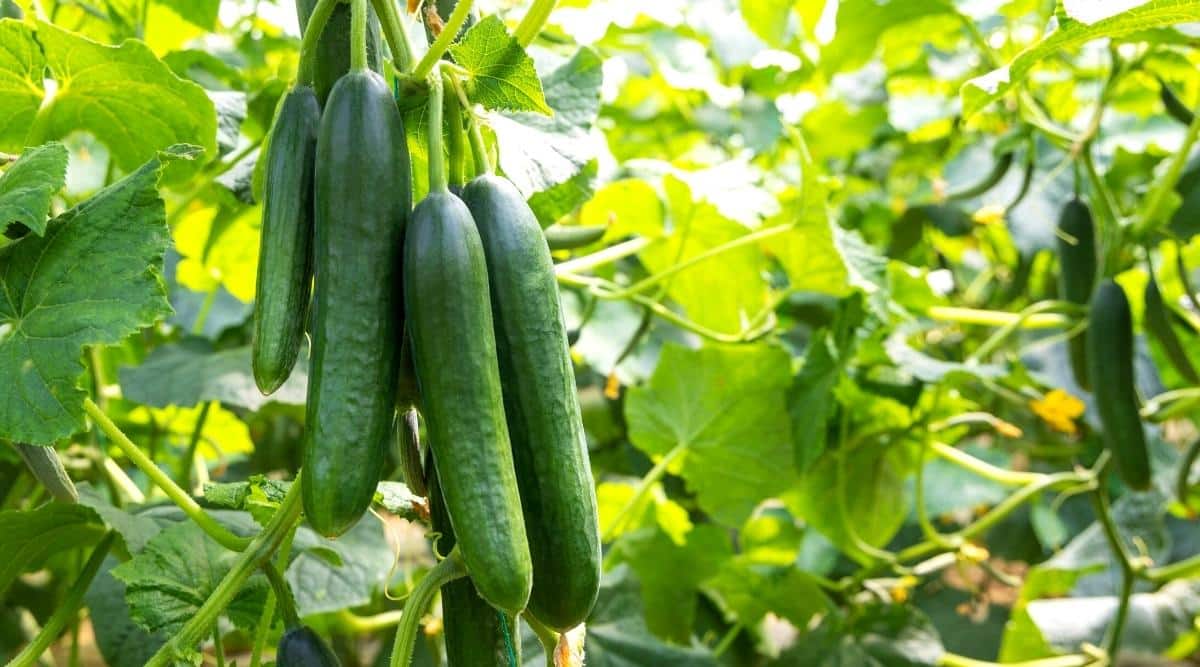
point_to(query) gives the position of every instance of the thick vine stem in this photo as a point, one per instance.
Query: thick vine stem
(308, 43)
(67, 609)
(177, 495)
(258, 553)
(449, 569)
(358, 35)
(457, 142)
(534, 21)
(395, 33)
(283, 594)
(455, 23)
(437, 157)
(483, 161)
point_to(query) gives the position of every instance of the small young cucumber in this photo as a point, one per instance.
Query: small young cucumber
(303, 647)
(542, 406)
(454, 350)
(1110, 367)
(285, 254)
(362, 202)
(1077, 273)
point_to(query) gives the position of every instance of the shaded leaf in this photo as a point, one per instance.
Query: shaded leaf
(28, 186)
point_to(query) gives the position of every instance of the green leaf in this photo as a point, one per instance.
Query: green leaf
(617, 635)
(94, 278)
(537, 152)
(502, 75)
(21, 64)
(172, 577)
(399, 500)
(977, 93)
(861, 24)
(122, 642)
(322, 584)
(811, 401)
(124, 95)
(769, 19)
(752, 590)
(724, 408)
(28, 537)
(201, 13)
(191, 372)
(29, 184)
(878, 635)
(671, 574)
(135, 529)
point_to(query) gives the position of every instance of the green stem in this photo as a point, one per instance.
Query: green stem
(994, 341)
(953, 660)
(1108, 213)
(283, 593)
(1185, 469)
(547, 637)
(448, 570)
(218, 647)
(997, 318)
(455, 23)
(1184, 279)
(67, 610)
(365, 625)
(534, 20)
(177, 495)
(483, 161)
(358, 35)
(396, 35)
(183, 472)
(603, 257)
(308, 43)
(984, 469)
(727, 640)
(1151, 216)
(437, 153)
(205, 308)
(648, 481)
(1128, 572)
(262, 630)
(260, 549)
(457, 143)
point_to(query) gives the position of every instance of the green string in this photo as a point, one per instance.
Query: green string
(508, 643)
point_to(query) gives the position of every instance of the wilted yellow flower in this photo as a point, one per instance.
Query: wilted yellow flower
(612, 386)
(990, 214)
(973, 552)
(1059, 409)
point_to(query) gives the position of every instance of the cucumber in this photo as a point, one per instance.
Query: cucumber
(1158, 324)
(362, 202)
(48, 469)
(333, 48)
(559, 237)
(541, 402)
(1174, 106)
(408, 450)
(302, 647)
(1077, 273)
(454, 353)
(473, 633)
(285, 254)
(1110, 367)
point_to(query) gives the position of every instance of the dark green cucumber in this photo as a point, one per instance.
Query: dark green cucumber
(999, 170)
(1077, 273)
(1158, 324)
(303, 647)
(1174, 106)
(560, 237)
(542, 405)
(47, 468)
(362, 202)
(454, 350)
(1110, 367)
(285, 252)
(333, 48)
(473, 633)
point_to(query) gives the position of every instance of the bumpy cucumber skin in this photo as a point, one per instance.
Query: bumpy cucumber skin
(333, 48)
(473, 635)
(1077, 273)
(1110, 367)
(48, 469)
(302, 647)
(454, 350)
(363, 196)
(542, 405)
(285, 254)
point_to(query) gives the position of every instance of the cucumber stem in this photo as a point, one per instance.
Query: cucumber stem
(308, 43)
(437, 157)
(448, 570)
(358, 35)
(457, 144)
(457, 18)
(66, 611)
(283, 594)
(395, 33)
(483, 161)
(259, 551)
(534, 21)
(177, 495)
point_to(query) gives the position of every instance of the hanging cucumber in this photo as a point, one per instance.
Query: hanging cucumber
(560, 237)
(473, 633)
(47, 468)
(333, 48)
(1077, 273)
(285, 255)
(454, 353)
(541, 404)
(1110, 367)
(362, 195)
(303, 647)
(1158, 324)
